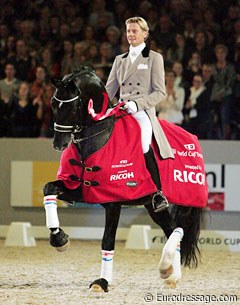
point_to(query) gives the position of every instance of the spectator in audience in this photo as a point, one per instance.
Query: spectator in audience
(202, 47)
(180, 80)
(57, 45)
(46, 60)
(207, 75)
(43, 91)
(120, 7)
(189, 30)
(54, 27)
(222, 92)
(79, 55)
(177, 11)
(10, 50)
(43, 23)
(152, 17)
(22, 61)
(105, 55)
(143, 8)
(76, 27)
(210, 23)
(228, 23)
(193, 67)
(171, 106)
(92, 56)
(233, 40)
(197, 119)
(97, 11)
(103, 24)
(27, 34)
(70, 12)
(9, 85)
(113, 36)
(67, 58)
(88, 34)
(164, 33)
(178, 51)
(24, 115)
(3, 37)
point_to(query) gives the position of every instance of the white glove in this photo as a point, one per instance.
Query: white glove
(131, 107)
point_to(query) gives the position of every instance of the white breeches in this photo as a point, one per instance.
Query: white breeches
(146, 129)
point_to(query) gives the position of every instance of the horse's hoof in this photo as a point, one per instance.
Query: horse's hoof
(170, 284)
(99, 285)
(165, 273)
(64, 247)
(59, 241)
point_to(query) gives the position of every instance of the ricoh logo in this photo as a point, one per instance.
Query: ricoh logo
(192, 177)
(121, 176)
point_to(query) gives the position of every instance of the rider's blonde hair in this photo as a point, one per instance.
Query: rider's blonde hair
(140, 21)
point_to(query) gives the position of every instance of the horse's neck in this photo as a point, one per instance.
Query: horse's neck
(93, 137)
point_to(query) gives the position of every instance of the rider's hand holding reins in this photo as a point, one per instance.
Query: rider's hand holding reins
(130, 107)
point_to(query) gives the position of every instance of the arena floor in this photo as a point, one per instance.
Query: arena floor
(41, 276)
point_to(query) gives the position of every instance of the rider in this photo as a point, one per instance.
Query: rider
(139, 74)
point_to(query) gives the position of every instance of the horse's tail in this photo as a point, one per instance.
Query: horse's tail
(190, 219)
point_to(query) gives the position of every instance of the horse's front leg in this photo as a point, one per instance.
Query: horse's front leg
(58, 238)
(112, 214)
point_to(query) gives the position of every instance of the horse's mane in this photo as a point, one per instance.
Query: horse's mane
(77, 72)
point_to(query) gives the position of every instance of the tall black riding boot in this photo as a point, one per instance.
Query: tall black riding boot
(159, 201)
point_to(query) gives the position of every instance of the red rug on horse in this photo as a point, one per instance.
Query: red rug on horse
(122, 174)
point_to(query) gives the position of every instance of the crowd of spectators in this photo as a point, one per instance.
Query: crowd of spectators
(199, 40)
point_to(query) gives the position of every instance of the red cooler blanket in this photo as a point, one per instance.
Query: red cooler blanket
(123, 175)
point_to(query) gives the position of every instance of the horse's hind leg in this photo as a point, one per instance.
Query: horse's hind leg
(170, 262)
(112, 214)
(58, 238)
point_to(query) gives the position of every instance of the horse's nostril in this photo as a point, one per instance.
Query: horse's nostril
(56, 147)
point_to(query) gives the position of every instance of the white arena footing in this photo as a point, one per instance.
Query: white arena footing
(138, 237)
(19, 234)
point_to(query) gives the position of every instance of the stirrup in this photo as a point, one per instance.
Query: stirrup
(159, 202)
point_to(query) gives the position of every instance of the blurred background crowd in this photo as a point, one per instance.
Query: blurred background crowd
(199, 40)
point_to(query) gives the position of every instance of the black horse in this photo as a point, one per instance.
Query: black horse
(74, 124)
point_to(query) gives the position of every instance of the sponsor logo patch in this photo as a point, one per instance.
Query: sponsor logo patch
(131, 183)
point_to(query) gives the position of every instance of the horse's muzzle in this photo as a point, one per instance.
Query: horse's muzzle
(61, 140)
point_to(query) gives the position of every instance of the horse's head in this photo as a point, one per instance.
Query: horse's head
(70, 103)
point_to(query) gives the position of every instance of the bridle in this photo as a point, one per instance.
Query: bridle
(76, 129)
(70, 128)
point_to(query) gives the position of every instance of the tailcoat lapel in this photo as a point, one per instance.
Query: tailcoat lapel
(128, 68)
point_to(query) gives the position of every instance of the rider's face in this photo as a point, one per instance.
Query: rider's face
(135, 35)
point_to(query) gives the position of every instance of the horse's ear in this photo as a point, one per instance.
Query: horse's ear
(56, 82)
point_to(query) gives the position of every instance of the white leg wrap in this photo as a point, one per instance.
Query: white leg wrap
(50, 204)
(177, 272)
(170, 247)
(107, 265)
